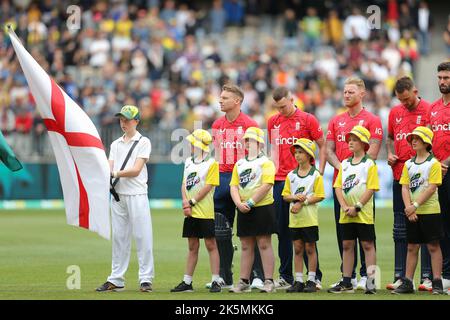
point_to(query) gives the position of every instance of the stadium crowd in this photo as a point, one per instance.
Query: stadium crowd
(170, 58)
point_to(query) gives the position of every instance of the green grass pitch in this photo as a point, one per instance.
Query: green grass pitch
(37, 247)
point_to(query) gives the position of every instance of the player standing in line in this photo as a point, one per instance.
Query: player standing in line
(251, 188)
(356, 184)
(420, 178)
(227, 132)
(131, 214)
(440, 124)
(337, 151)
(284, 129)
(304, 190)
(201, 176)
(412, 112)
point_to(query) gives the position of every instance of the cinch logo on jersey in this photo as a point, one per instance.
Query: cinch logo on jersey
(300, 190)
(349, 183)
(341, 137)
(192, 180)
(441, 127)
(245, 177)
(231, 145)
(400, 136)
(288, 141)
(416, 182)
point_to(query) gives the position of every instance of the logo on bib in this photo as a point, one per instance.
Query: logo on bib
(192, 180)
(245, 177)
(300, 190)
(416, 182)
(349, 183)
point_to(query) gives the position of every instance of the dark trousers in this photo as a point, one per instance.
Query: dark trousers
(444, 202)
(337, 215)
(285, 247)
(400, 239)
(223, 203)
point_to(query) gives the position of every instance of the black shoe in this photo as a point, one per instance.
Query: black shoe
(109, 287)
(183, 287)
(215, 287)
(370, 286)
(296, 287)
(406, 287)
(310, 287)
(146, 287)
(341, 287)
(437, 287)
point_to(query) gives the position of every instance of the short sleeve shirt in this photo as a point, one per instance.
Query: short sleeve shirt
(119, 150)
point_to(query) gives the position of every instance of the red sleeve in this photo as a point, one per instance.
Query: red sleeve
(376, 129)
(330, 132)
(390, 127)
(314, 128)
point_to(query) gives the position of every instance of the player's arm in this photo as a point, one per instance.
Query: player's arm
(374, 148)
(132, 172)
(322, 154)
(331, 154)
(261, 192)
(319, 192)
(340, 197)
(444, 166)
(392, 157)
(185, 201)
(111, 165)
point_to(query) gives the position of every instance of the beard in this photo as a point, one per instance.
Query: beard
(444, 89)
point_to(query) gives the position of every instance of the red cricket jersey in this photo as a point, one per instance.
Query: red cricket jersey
(283, 131)
(343, 123)
(401, 122)
(440, 124)
(227, 138)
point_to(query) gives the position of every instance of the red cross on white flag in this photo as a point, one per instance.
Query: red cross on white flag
(80, 154)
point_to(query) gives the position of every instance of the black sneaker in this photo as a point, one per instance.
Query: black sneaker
(146, 287)
(310, 287)
(183, 287)
(215, 287)
(406, 287)
(342, 288)
(370, 286)
(109, 287)
(437, 287)
(296, 287)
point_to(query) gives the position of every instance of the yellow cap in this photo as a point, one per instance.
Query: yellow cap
(201, 139)
(255, 134)
(362, 133)
(423, 133)
(307, 145)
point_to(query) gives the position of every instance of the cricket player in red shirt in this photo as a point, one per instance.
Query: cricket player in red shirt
(227, 133)
(337, 150)
(284, 129)
(411, 113)
(440, 124)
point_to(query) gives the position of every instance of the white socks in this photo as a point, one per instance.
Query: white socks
(187, 279)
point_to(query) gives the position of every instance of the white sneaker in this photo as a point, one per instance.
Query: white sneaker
(445, 284)
(257, 283)
(268, 287)
(426, 285)
(362, 284)
(241, 287)
(354, 283)
(395, 285)
(281, 284)
(221, 282)
(318, 284)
